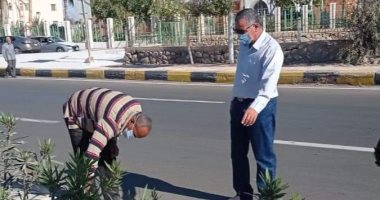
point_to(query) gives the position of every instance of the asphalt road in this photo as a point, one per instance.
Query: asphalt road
(187, 154)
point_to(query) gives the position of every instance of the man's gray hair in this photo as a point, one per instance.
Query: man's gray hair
(143, 120)
(250, 15)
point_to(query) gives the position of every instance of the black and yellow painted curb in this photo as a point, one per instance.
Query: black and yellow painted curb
(287, 77)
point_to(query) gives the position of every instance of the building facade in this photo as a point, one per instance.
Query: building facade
(18, 11)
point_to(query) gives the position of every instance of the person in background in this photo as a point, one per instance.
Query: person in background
(8, 51)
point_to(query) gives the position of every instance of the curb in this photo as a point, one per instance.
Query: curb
(286, 77)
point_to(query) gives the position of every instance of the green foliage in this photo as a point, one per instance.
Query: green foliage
(169, 9)
(8, 149)
(364, 34)
(274, 189)
(77, 180)
(8, 121)
(51, 175)
(26, 165)
(291, 3)
(149, 194)
(210, 7)
(4, 194)
(140, 9)
(103, 9)
(112, 181)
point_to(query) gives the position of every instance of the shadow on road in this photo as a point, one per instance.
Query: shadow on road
(131, 181)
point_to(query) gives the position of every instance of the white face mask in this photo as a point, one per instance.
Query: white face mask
(128, 134)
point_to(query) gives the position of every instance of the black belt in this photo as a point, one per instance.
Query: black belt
(240, 99)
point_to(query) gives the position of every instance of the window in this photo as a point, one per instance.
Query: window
(53, 7)
(21, 6)
(26, 6)
(10, 6)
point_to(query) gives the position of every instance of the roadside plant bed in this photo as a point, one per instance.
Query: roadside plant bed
(27, 175)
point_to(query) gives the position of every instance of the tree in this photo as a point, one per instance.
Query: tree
(210, 7)
(168, 9)
(365, 34)
(103, 9)
(141, 9)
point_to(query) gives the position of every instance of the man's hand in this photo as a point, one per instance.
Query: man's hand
(249, 117)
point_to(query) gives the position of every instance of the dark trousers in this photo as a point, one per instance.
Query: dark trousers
(11, 68)
(80, 140)
(261, 137)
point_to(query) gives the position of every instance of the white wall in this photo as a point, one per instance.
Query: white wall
(46, 12)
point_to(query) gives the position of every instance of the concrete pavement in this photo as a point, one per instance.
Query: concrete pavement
(109, 65)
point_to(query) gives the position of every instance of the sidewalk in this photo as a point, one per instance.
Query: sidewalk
(108, 65)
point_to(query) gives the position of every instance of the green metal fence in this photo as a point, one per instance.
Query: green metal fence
(119, 30)
(78, 32)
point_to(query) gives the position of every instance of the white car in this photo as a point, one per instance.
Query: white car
(55, 44)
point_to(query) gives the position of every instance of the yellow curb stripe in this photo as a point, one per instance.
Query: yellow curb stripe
(134, 75)
(356, 78)
(291, 77)
(179, 76)
(28, 72)
(225, 77)
(60, 73)
(95, 74)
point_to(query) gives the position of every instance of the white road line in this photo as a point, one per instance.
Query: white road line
(37, 120)
(324, 146)
(282, 142)
(180, 100)
(319, 87)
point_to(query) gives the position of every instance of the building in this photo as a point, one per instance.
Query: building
(24, 11)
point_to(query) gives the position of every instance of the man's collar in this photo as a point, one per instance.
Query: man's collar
(260, 41)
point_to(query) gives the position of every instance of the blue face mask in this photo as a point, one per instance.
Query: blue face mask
(245, 39)
(128, 134)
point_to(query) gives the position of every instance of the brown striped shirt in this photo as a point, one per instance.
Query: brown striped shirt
(103, 112)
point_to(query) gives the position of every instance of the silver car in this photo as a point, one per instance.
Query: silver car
(22, 44)
(55, 44)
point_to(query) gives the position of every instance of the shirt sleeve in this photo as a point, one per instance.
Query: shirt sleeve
(104, 131)
(268, 83)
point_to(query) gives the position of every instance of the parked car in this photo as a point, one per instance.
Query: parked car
(55, 44)
(22, 44)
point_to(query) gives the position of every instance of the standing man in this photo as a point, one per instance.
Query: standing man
(253, 108)
(95, 119)
(9, 55)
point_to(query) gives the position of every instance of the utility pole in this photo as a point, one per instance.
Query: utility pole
(90, 59)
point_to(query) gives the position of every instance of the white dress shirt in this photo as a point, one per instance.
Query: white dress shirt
(258, 70)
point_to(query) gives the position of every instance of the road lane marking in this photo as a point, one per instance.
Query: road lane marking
(324, 146)
(281, 142)
(37, 120)
(145, 82)
(180, 100)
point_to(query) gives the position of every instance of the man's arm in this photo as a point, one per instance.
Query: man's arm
(272, 65)
(104, 131)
